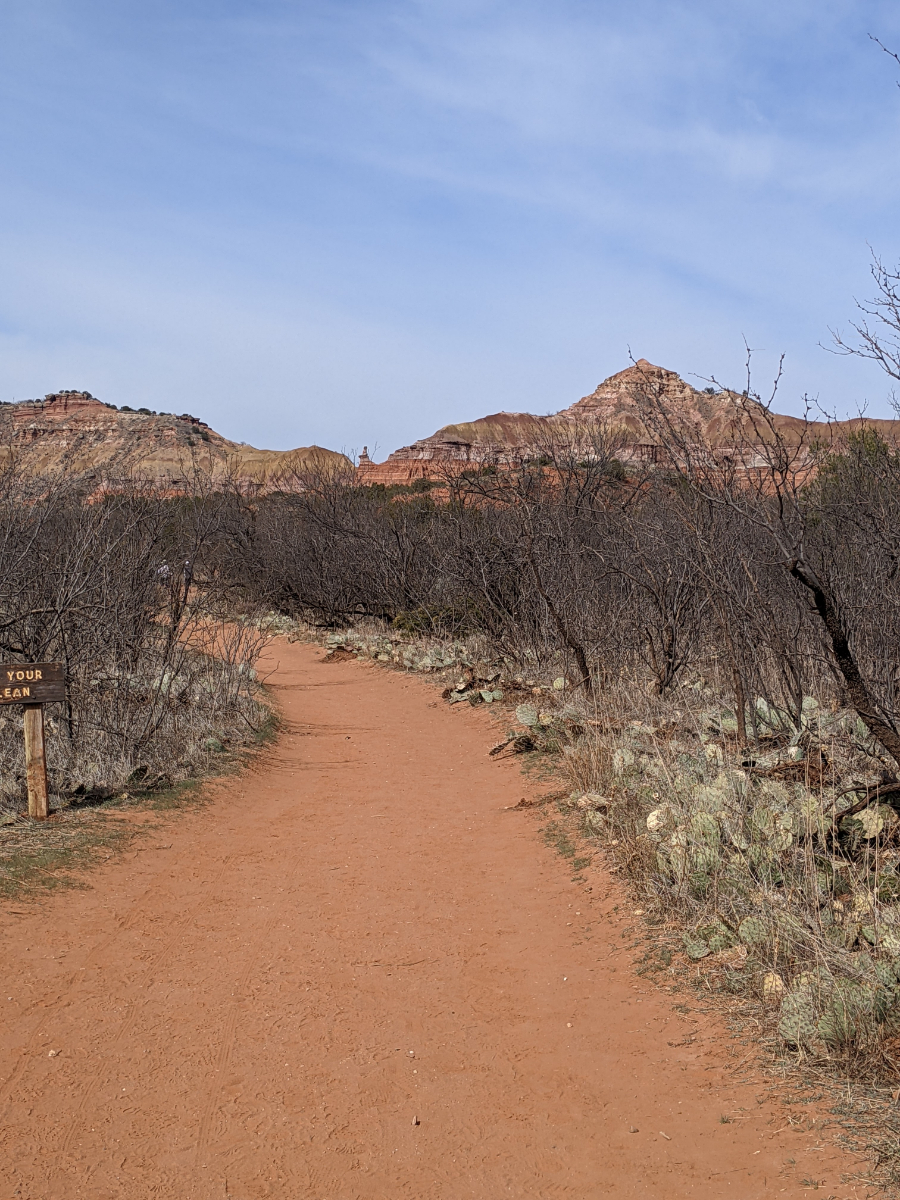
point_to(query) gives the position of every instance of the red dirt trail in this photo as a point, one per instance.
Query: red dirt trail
(354, 976)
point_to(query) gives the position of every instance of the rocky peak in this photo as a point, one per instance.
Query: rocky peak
(617, 402)
(511, 435)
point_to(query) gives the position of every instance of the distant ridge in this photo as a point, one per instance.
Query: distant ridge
(75, 431)
(508, 436)
(78, 432)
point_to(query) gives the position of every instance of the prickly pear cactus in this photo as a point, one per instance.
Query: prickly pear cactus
(595, 821)
(704, 828)
(700, 883)
(661, 819)
(848, 1015)
(678, 860)
(717, 936)
(694, 946)
(526, 714)
(762, 859)
(734, 831)
(704, 859)
(710, 798)
(773, 987)
(736, 874)
(876, 820)
(772, 827)
(559, 685)
(714, 755)
(752, 931)
(622, 760)
(728, 722)
(885, 973)
(812, 818)
(797, 1023)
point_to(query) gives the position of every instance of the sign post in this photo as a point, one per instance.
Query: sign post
(33, 685)
(36, 763)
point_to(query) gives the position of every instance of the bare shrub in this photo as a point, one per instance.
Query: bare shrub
(119, 584)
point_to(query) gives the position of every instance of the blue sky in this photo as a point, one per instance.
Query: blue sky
(353, 221)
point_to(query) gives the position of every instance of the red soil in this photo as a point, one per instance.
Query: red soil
(356, 976)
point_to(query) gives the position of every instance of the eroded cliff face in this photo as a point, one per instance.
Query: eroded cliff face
(511, 436)
(619, 405)
(76, 432)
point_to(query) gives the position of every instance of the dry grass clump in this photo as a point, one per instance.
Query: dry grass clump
(36, 857)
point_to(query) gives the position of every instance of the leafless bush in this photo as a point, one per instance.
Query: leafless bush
(120, 585)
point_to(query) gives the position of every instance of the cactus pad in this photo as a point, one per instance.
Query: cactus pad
(695, 947)
(797, 1023)
(752, 931)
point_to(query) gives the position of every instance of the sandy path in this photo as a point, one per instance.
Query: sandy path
(265, 998)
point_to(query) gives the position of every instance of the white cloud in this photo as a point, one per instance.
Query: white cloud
(355, 222)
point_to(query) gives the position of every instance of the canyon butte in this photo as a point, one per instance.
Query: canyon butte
(76, 432)
(715, 418)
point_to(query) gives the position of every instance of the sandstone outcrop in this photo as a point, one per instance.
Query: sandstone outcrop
(616, 404)
(507, 437)
(79, 433)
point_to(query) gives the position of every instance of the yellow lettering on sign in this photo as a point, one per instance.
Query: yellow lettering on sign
(26, 692)
(17, 676)
(7, 693)
(17, 695)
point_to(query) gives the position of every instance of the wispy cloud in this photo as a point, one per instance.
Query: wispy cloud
(373, 217)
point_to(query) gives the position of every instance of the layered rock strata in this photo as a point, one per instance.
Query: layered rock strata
(76, 432)
(617, 405)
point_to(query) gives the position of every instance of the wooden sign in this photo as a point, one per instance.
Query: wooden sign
(34, 685)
